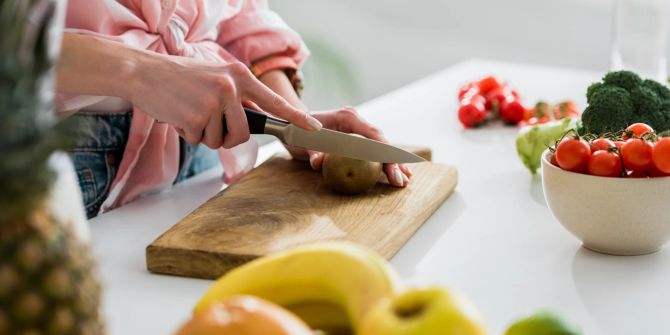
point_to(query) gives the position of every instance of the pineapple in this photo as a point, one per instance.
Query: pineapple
(47, 281)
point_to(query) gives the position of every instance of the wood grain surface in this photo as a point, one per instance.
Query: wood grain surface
(283, 203)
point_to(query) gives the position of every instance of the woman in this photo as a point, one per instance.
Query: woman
(145, 73)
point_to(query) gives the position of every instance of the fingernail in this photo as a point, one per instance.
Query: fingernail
(314, 123)
(409, 170)
(397, 175)
(405, 180)
(312, 158)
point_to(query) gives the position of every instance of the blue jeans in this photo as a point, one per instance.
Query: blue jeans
(98, 151)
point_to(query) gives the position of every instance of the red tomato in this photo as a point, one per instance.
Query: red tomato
(472, 112)
(605, 163)
(573, 154)
(636, 174)
(487, 84)
(601, 144)
(661, 155)
(653, 172)
(636, 154)
(511, 111)
(619, 144)
(496, 96)
(552, 160)
(468, 90)
(638, 129)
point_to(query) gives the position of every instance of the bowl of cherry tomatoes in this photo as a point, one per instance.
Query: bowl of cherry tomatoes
(611, 192)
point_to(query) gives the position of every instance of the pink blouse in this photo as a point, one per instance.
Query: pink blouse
(213, 30)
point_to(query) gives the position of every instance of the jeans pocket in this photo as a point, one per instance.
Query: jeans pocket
(96, 171)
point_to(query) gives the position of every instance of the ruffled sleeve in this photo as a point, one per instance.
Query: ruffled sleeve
(256, 34)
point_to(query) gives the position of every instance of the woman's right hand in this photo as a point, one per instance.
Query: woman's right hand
(194, 97)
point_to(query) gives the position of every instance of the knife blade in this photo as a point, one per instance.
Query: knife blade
(326, 140)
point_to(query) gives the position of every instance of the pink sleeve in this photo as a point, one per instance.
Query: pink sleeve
(256, 33)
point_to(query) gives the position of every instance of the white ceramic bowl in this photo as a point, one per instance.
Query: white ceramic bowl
(615, 216)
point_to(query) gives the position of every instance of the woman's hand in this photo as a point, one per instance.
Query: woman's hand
(347, 120)
(195, 96)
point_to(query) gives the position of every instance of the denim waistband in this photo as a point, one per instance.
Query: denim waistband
(102, 132)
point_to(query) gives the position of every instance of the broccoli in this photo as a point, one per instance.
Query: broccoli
(623, 98)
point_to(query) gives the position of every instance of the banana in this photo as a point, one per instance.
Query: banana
(340, 274)
(323, 316)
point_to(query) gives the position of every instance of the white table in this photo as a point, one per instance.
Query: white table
(494, 239)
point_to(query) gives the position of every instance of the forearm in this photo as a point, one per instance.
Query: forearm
(277, 81)
(93, 66)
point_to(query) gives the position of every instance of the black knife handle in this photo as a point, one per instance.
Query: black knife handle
(256, 121)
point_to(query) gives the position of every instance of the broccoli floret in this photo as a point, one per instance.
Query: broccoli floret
(645, 100)
(622, 99)
(660, 89)
(592, 88)
(623, 79)
(611, 109)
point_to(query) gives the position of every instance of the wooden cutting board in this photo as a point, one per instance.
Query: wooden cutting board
(283, 203)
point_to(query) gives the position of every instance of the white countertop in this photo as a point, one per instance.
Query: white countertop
(494, 239)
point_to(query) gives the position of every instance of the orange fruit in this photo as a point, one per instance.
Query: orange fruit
(245, 315)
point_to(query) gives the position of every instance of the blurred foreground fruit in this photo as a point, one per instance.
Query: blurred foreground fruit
(342, 275)
(245, 315)
(543, 323)
(423, 311)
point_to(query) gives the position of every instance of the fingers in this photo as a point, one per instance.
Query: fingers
(191, 136)
(395, 176)
(406, 170)
(213, 136)
(237, 129)
(315, 159)
(273, 103)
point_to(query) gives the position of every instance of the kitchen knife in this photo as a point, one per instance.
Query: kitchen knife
(326, 140)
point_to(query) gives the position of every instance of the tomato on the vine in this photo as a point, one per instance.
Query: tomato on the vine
(661, 154)
(605, 163)
(511, 110)
(573, 154)
(636, 154)
(468, 91)
(637, 129)
(487, 84)
(601, 144)
(472, 112)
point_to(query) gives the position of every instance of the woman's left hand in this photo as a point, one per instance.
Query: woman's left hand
(347, 120)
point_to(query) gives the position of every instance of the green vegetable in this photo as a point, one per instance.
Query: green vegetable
(623, 98)
(543, 323)
(533, 140)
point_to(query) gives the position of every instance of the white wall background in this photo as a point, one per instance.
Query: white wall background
(384, 44)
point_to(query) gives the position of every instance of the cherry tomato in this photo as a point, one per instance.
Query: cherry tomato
(601, 144)
(653, 172)
(472, 112)
(565, 109)
(552, 159)
(605, 163)
(638, 129)
(496, 96)
(573, 154)
(661, 155)
(619, 144)
(636, 154)
(636, 174)
(511, 111)
(487, 84)
(468, 90)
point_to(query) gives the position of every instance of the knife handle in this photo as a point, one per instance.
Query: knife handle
(256, 121)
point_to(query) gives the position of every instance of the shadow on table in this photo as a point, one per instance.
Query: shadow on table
(424, 239)
(624, 294)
